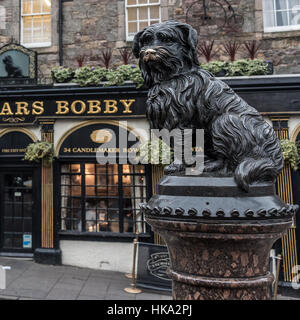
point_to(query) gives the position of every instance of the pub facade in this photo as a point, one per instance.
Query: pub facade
(79, 209)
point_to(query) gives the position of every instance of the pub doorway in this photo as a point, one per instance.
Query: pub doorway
(18, 211)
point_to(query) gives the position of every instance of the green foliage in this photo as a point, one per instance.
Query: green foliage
(155, 151)
(62, 75)
(39, 150)
(242, 67)
(238, 68)
(257, 67)
(125, 73)
(290, 153)
(90, 76)
(215, 67)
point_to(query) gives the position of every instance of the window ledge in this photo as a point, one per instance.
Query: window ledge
(102, 236)
(282, 29)
(37, 45)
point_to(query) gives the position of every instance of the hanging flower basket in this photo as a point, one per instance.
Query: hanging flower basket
(37, 151)
(290, 153)
(155, 152)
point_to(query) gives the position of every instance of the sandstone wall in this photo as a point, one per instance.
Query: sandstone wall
(89, 26)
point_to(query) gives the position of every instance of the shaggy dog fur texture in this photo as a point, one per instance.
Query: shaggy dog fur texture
(182, 95)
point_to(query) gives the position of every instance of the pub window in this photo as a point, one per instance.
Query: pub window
(102, 198)
(281, 15)
(36, 23)
(140, 14)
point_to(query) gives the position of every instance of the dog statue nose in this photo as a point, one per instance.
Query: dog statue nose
(150, 51)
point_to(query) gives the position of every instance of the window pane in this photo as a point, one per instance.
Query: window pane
(153, 1)
(46, 6)
(142, 1)
(282, 18)
(132, 27)
(143, 25)
(27, 29)
(132, 14)
(154, 12)
(294, 17)
(293, 4)
(37, 29)
(281, 4)
(143, 13)
(37, 6)
(131, 2)
(26, 7)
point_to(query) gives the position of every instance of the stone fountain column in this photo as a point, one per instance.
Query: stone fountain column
(219, 237)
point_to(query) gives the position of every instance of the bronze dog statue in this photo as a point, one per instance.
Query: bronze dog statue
(181, 95)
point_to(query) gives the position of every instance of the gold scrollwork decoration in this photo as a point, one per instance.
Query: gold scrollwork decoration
(13, 120)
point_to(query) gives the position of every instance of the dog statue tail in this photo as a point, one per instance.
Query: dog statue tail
(264, 169)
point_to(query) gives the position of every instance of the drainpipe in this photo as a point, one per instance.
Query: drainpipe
(60, 32)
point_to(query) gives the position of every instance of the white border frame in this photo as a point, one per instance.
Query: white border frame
(34, 44)
(148, 5)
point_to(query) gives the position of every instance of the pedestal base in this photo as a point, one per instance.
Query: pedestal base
(219, 239)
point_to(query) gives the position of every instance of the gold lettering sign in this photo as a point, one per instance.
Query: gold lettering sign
(67, 108)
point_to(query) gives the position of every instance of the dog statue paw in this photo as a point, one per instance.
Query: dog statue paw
(174, 167)
(182, 95)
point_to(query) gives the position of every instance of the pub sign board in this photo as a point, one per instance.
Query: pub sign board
(152, 269)
(28, 110)
(109, 140)
(18, 65)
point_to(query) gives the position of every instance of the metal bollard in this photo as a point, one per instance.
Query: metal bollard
(3, 276)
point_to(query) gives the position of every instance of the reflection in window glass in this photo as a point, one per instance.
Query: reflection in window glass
(102, 198)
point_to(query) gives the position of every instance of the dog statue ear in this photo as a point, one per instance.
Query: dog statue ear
(192, 36)
(192, 39)
(136, 44)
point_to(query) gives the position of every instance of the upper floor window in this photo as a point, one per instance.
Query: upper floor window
(281, 15)
(140, 14)
(2, 18)
(36, 23)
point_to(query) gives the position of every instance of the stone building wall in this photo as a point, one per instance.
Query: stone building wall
(89, 26)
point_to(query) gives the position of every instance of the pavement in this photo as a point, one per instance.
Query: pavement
(28, 280)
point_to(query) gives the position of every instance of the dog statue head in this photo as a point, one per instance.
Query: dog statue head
(165, 50)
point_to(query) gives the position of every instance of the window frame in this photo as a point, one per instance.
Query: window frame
(279, 28)
(33, 44)
(83, 197)
(148, 5)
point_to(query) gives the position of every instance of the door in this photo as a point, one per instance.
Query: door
(17, 211)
